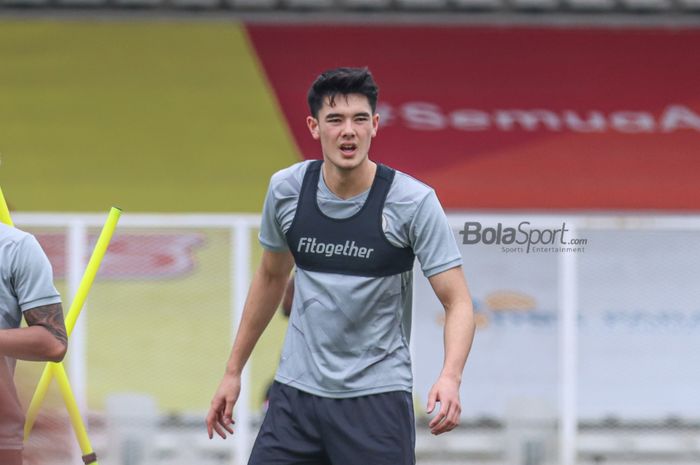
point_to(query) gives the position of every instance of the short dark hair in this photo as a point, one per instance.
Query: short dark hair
(343, 81)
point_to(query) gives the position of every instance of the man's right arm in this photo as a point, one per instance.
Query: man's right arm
(43, 340)
(264, 297)
(32, 284)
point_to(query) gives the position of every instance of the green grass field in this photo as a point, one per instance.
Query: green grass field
(151, 117)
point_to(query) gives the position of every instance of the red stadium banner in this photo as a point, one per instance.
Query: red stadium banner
(515, 118)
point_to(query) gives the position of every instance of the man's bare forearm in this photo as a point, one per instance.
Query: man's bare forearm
(44, 339)
(458, 338)
(264, 297)
(451, 288)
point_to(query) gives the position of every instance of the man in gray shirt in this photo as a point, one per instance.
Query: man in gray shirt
(26, 289)
(342, 393)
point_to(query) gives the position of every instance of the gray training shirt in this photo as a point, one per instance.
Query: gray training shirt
(26, 282)
(348, 335)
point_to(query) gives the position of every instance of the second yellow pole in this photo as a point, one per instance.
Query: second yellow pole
(56, 369)
(76, 307)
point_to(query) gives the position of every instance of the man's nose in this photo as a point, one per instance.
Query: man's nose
(348, 129)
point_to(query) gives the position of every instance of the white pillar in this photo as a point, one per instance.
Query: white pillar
(240, 270)
(76, 245)
(568, 356)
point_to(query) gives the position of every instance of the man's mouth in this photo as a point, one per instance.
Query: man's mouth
(348, 149)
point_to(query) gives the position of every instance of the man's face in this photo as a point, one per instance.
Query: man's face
(345, 130)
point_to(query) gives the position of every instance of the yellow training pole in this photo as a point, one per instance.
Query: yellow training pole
(57, 369)
(4, 211)
(76, 307)
(37, 399)
(93, 266)
(89, 456)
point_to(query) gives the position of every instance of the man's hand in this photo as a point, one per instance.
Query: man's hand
(264, 297)
(451, 288)
(220, 416)
(445, 391)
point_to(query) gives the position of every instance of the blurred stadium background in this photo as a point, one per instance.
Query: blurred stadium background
(584, 112)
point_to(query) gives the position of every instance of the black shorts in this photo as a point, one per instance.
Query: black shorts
(304, 429)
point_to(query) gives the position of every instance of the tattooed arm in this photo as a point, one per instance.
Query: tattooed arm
(44, 339)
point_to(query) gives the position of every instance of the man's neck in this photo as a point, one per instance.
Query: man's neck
(349, 183)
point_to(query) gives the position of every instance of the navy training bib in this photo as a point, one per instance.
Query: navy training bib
(353, 246)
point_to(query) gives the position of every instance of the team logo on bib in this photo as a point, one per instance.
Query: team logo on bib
(329, 249)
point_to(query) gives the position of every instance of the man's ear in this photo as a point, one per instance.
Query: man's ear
(375, 124)
(312, 124)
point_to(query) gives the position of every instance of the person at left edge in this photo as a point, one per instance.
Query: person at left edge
(26, 289)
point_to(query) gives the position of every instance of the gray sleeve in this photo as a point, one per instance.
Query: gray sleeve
(271, 236)
(280, 206)
(431, 236)
(33, 276)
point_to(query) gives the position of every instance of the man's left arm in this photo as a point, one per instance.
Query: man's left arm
(451, 288)
(434, 244)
